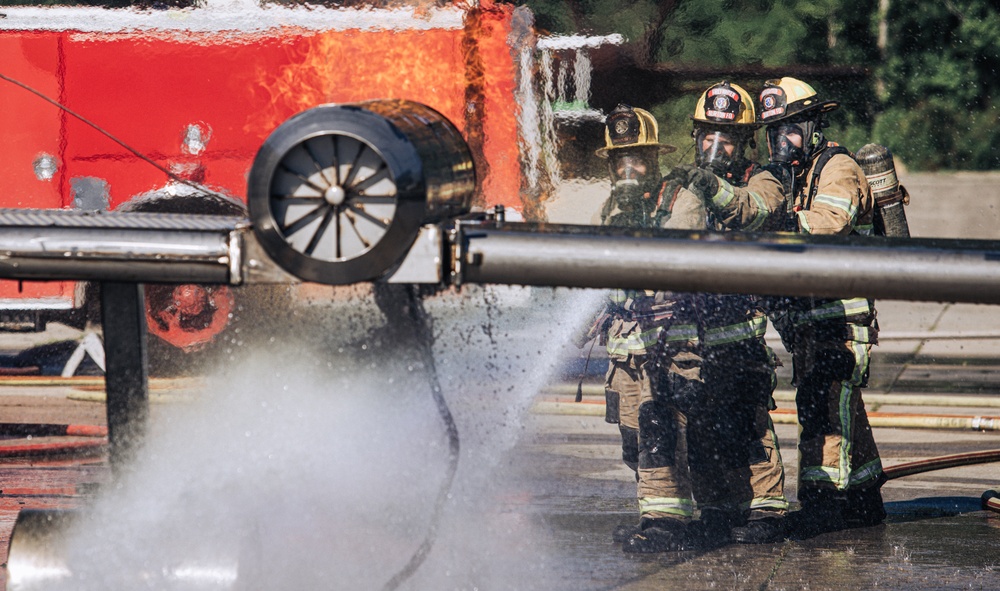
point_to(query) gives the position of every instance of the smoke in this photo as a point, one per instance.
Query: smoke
(313, 462)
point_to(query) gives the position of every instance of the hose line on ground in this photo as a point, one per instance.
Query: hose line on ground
(940, 463)
(420, 323)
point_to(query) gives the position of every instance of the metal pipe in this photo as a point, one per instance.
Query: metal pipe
(775, 264)
(162, 248)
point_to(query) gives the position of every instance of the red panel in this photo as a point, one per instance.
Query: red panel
(30, 126)
(146, 89)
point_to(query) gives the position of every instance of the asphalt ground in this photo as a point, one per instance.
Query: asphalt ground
(564, 476)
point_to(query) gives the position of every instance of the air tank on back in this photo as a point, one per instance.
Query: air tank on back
(890, 196)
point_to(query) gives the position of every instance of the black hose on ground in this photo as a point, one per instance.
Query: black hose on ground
(991, 501)
(403, 306)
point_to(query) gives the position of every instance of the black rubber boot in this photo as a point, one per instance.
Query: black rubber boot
(712, 530)
(656, 535)
(864, 507)
(822, 511)
(624, 531)
(765, 530)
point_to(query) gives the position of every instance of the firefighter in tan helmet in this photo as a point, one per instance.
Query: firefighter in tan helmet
(840, 472)
(629, 326)
(714, 364)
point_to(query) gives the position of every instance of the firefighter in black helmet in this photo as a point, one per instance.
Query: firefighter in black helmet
(633, 150)
(714, 364)
(840, 472)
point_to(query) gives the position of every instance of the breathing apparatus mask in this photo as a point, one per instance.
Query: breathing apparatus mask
(632, 168)
(794, 142)
(633, 172)
(720, 150)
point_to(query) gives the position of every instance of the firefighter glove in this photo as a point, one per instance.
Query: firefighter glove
(703, 183)
(665, 200)
(679, 173)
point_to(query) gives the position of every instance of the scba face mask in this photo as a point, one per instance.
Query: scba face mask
(784, 143)
(717, 150)
(630, 169)
(794, 142)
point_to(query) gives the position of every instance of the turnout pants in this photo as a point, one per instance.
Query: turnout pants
(654, 442)
(733, 451)
(836, 449)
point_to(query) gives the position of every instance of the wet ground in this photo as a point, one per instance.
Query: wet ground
(564, 476)
(936, 537)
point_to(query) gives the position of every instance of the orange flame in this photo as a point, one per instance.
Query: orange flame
(472, 88)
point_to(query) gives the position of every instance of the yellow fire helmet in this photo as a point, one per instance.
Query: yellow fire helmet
(725, 104)
(789, 97)
(629, 127)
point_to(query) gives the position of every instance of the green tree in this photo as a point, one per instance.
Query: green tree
(930, 92)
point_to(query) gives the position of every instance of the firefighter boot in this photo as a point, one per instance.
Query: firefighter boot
(822, 511)
(625, 531)
(712, 530)
(762, 530)
(656, 535)
(864, 507)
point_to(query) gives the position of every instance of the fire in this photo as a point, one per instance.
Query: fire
(466, 74)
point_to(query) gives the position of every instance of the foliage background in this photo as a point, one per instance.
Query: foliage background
(932, 68)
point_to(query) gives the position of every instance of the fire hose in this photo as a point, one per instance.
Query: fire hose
(990, 499)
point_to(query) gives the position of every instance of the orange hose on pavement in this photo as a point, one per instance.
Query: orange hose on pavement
(53, 448)
(928, 465)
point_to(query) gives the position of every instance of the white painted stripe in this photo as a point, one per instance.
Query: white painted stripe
(241, 16)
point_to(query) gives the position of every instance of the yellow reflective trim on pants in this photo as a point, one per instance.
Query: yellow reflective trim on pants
(866, 473)
(779, 503)
(843, 475)
(865, 229)
(668, 505)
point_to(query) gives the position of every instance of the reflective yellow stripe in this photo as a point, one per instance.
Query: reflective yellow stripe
(803, 223)
(762, 213)
(668, 505)
(724, 196)
(634, 343)
(865, 229)
(834, 309)
(843, 474)
(868, 472)
(681, 332)
(779, 503)
(732, 333)
(842, 203)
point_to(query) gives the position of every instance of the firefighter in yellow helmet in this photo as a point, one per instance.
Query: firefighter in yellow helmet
(714, 364)
(840, 472)
(629, 327)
